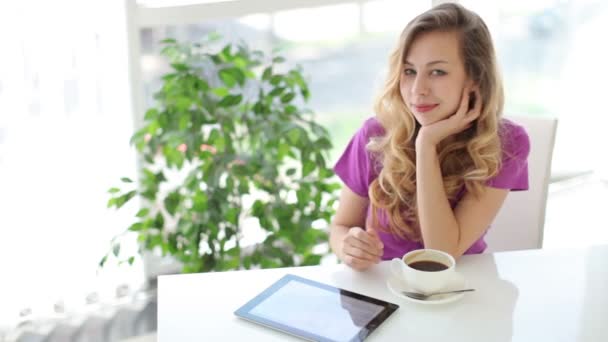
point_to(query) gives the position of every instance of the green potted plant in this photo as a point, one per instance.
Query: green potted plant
(229, 141)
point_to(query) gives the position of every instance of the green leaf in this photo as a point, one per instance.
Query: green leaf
(238, 75)
(151, 114)
(278, 59)
(291, 109)
(305, 93)
(168, 41)
(116, 249)
(135, 227)
(216, 59)
(199, 202)
(214, 136)
(240, 62)
(247, 262)
(269, 263)
(234, 251)
(180, 67)
(230, 100)
(258, 108)
(319, 160)
(322, 144)
(318, 129)
(226, 52)
(249, 74)
(307, 167)
(201, 84)
(153, 126)
(258, 208)
(121, 200)
(232, 215)
(276, 79)
(172, 201)
(213, 36)
(267, 74)
(221, 91)
(169, 78)
(113, 190)
(143, 212)
(186, 227)
(290, 172)
(103, 260)
(111, 202)
(303, 195)
(311, 259)
(159, 221)
(287, 97)
(126, 180)
(276, 91)
(283, 150)
(243, 187)
(184, 122)
(130, 260)
(227, 77)
(294, 135)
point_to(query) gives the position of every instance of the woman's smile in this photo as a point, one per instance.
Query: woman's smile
(424, 107)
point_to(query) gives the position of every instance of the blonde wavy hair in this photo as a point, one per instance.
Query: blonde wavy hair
(467, 160)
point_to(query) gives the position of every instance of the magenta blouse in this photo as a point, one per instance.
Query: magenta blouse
(356, 169)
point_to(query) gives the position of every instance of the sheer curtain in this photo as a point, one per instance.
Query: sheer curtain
(65, 124)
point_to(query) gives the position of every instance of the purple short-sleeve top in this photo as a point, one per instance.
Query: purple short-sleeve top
(357, 169)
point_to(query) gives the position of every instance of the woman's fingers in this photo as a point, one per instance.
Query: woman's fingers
(465, 116)
(474, 112)
(356, 263)
(361, 249)
(370, 237)
(464, 102)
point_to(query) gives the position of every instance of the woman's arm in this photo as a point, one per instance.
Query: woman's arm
(348, 239)
(452, 231)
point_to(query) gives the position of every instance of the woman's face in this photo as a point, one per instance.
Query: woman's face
(433, 77)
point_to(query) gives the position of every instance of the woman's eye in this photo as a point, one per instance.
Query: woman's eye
(438, 72)
(409, 72)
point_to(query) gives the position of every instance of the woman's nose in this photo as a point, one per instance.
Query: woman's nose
(420, 86)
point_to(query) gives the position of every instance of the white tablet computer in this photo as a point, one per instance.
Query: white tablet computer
(316, 311)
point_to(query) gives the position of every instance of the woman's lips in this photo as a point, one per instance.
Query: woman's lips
(425, 108)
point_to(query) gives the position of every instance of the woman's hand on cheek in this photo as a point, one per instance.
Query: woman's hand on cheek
(433, 134)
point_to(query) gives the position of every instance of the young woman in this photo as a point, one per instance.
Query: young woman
(434, 166)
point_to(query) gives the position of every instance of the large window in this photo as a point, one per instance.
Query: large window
(343, 54)
(65, 124)
(551, 54)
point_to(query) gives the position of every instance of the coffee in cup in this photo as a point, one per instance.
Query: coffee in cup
(424, 270)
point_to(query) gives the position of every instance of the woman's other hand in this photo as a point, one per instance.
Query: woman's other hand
(361, 249)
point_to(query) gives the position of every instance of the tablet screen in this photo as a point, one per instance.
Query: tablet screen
(316, 311)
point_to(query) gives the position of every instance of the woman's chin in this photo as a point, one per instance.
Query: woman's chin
(425, 121)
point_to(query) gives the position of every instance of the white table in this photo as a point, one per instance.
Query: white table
(536, 295)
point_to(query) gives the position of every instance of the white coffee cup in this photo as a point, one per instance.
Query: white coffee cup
(425, 281)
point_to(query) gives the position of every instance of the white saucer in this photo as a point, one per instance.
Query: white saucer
(396, 285)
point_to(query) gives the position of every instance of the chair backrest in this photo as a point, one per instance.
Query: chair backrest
(520, 222)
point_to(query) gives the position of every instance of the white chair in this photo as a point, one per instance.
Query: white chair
(520, 222)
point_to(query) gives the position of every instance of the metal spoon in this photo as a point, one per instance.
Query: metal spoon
(422, 296)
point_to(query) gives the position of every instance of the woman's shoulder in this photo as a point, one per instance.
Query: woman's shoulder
(372, 127)
(514, 138)
(509, 126)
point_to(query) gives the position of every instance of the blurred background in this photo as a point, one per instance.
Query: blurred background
(67, 113)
